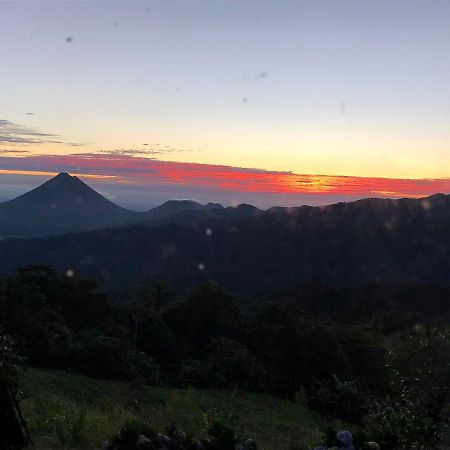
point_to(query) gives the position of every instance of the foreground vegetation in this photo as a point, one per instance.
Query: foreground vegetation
(375, 357)
(73, 411)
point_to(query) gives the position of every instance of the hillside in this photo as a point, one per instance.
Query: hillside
(373, 240)
(53, 401)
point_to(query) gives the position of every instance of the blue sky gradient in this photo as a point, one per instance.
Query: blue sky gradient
(355, 88)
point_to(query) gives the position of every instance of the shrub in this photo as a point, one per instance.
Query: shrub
(9, 362)
(112, 358)
(341, 399)
(128, 436)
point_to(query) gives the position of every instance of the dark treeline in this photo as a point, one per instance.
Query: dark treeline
(249, 251)
(368, 355)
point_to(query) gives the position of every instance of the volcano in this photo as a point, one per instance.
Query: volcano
(62, 204)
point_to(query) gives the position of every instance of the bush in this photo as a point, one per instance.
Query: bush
(416, 415)
(225, 438)
(137, 435)
(112, 358)
(128, 436)
(9, 362)
(340, 399)
(229, 364)
(61, 424)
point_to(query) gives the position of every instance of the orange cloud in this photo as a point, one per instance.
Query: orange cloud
(35, 173)
(126, 169)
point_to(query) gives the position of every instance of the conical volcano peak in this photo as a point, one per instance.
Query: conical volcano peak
(64, 183)
(64, 190)
(63, 177)
(63, 203)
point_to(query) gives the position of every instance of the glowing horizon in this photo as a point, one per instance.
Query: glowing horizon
(141, 176)
(303, 102)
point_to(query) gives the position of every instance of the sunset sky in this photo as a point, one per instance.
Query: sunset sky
(266, 102)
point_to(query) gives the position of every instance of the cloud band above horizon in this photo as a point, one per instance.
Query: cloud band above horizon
(125, 176)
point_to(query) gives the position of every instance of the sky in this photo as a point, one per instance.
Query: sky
(270, 102)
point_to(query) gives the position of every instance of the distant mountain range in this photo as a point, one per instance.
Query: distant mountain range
(244, 249)
(65, 204)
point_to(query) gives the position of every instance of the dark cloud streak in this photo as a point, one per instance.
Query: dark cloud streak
(147, 151)
(4, 150)
(13, 133)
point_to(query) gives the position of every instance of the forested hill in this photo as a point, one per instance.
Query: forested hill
(347, 243)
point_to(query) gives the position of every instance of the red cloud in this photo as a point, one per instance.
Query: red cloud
(126, 169)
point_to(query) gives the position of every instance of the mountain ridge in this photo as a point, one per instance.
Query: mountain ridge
(248, 251)
(65, 204)
(62, 204)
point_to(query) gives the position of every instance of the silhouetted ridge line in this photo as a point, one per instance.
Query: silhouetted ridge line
(66, 204)
(247, 250)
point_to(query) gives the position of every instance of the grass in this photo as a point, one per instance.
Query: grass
(66, 411)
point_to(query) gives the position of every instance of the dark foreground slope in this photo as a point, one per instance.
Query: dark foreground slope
(54, 399)
(369, 240)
